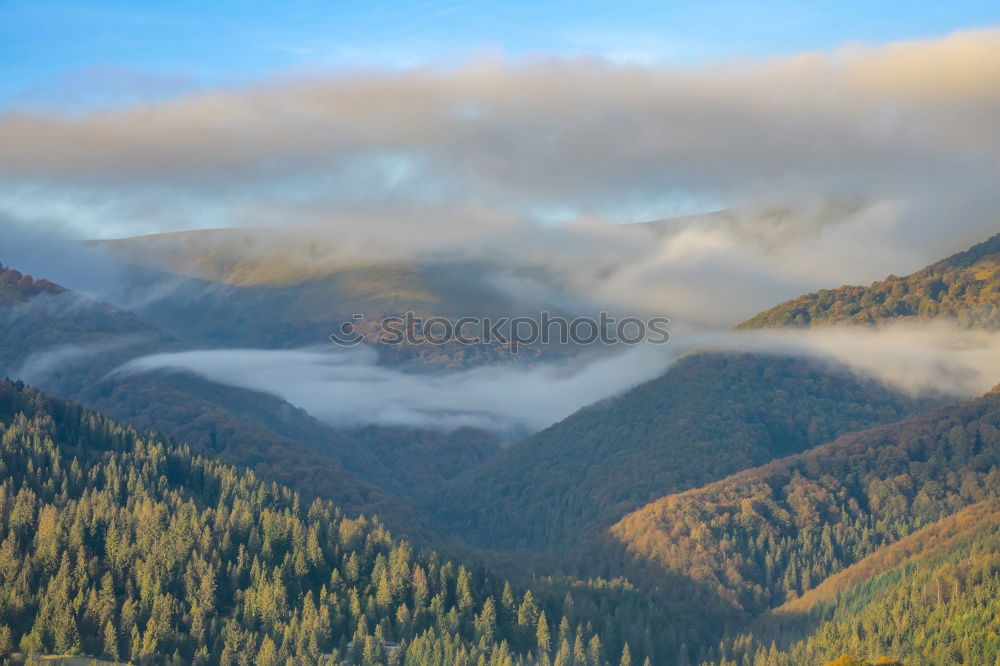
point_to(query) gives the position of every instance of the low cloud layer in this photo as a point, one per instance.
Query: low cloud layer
(920, 359)
(556, 138)
(346, 388)
(837, 167)
(559, 130)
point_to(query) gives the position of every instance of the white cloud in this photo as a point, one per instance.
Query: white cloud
(927, 358)
(346, 388)
(889, 121)
(425, 164)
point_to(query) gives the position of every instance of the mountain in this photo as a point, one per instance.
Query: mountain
(421, 459)
(16, 287)
(40, 315)
(72, 345)
(964, 287)
(123, 545)
(282, 289)
(708, 416)
(767, 535)
(928, 599)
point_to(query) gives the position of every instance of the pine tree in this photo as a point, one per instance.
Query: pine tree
(626, 659)
(110, 642)
(563, 655)
(527, 612)
(267, 655)
(579, 651)
(594, 651)
(6, 642)
(542, 636)
(485, 622)
(463, 590)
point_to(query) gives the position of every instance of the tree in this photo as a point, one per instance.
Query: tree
(486, 621)
(542, 636)
(110, 642)
(6, 642)
(267, 655)
(626, 659)
(527, 612)
(594, 651)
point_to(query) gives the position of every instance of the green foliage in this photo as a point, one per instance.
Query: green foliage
(367, 474)
(709, 416)
(934, 611)
(767, 535)
(964, 287)
(119, 545)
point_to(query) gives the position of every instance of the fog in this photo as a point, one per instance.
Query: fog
(834, 167)
(347, 388)
(920, 359)
(755, 181)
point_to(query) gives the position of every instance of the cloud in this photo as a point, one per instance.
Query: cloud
(346, 388)
(837, 167)
(522, 135)
(921, 359)
(39, 367)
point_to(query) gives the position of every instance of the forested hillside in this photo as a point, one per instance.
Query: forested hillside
(767, 535)
(16, 287)
(119, 545)
(71, 345)
(964, 287)
(710, 415)
(287, 289)
(928, 600)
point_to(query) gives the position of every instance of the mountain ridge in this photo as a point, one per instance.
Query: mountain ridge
(964, 287)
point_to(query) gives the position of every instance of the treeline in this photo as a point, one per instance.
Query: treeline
(964, 287)
(767, 535)
(16, 287)
(120, 546)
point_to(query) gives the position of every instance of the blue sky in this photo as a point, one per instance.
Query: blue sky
(71, 54)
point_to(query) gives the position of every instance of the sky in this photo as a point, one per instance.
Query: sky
(77, 55)
(809, 144)
(845, 140)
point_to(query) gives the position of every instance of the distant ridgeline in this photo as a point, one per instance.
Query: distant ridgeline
(16, 287)
(117, 545)
(964, 287)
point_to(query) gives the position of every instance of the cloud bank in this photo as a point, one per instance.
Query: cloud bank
(346, 388)
(837, 167)
(548, 137)
(937, 358)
